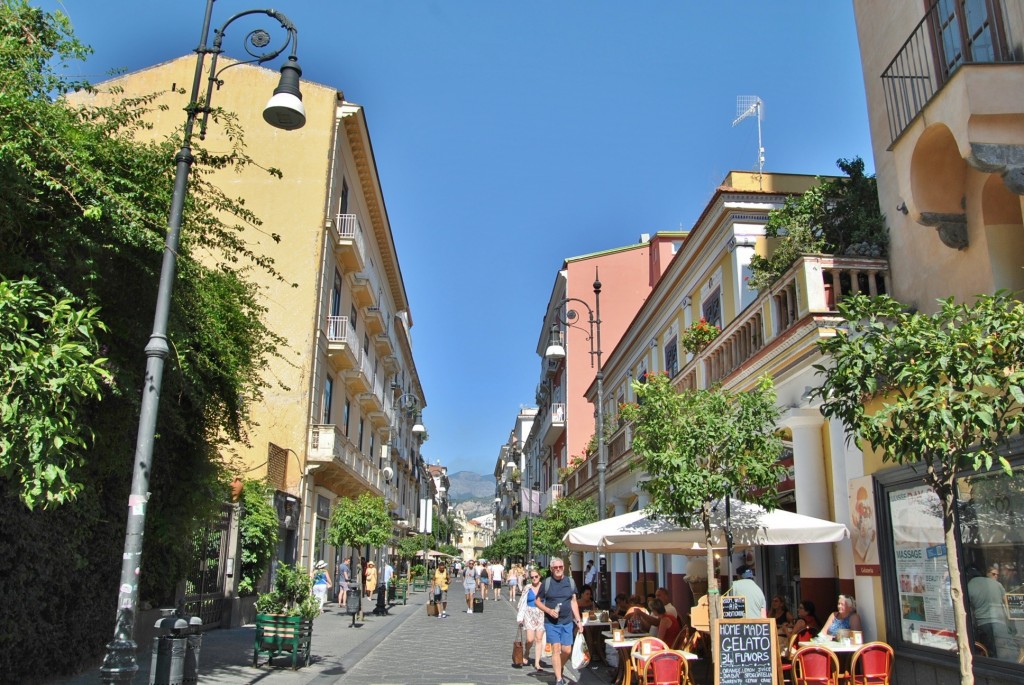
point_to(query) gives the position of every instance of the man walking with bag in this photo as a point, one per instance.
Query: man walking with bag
(557, 601)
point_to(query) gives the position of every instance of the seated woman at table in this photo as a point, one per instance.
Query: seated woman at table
(780, 612)
(669, 626)
(621, 607)
(806, 620)
(845, 617)
(586, 599)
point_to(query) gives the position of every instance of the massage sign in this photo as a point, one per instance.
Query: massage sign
(746, 652)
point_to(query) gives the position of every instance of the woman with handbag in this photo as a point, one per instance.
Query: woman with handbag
(531, 619)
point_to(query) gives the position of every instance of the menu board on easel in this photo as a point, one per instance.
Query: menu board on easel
(746, 652)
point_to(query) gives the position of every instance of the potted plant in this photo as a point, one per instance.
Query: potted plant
(698, 336)
(284, 617)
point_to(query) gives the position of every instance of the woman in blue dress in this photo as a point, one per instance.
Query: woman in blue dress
(845, 617)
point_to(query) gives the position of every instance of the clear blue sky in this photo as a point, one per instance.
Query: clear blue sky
(511, 135)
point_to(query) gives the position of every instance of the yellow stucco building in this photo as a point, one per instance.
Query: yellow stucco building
(344, 394)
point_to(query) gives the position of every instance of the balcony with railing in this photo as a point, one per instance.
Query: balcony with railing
(330, 447)
(360, 377)
(376, 318)
(554, 423)
(805, 295)
(349, 243)
(343, 351)
(582, 482)
(948, 37)
(553, 494)
(372, 403)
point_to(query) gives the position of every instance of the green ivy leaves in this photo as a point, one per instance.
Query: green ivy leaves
(51, 367)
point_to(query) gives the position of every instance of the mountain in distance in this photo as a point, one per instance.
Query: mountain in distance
(466, 485)
(471, 492)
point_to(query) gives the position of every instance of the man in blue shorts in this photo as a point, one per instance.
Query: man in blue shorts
(557, 601)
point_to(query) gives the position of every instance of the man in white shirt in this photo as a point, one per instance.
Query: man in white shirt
(497, 575)
(590, 575)
(746, 587)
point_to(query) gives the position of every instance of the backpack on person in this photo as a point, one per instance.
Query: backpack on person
(572, 584)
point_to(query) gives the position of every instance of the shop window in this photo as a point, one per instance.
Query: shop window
(915, 571)
(991, 516)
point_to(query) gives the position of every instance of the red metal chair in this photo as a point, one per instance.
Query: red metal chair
(656, 645)
(814, 665)
(665, 667)
(871, 664)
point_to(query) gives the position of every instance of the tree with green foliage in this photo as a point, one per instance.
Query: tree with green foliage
(563, 514)
(84, 196)
(838, 216)
(365, 520)
(257, 531)
(510, 543)
(944, 390)
(700, 446)
(52, 368)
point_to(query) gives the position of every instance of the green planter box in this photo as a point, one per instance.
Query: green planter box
(419, 584)
(401, 590)
(279, 635)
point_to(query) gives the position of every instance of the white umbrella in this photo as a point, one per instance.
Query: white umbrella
(751, 525)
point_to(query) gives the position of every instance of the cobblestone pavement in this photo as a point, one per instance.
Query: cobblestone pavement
(462, 649)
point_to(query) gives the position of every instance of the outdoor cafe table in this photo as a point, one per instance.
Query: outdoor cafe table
(590, 634)
(842, 650)
(624, 675)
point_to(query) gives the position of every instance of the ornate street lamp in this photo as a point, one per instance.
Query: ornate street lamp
(284, 111)
(555, 350)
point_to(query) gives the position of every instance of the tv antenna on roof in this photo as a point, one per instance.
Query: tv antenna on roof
(750, 106)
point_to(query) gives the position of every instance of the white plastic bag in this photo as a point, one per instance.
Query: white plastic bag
(580, 653)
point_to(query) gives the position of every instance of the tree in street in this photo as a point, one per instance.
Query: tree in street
(944, 390)
(549, 529)
(700, 446)
(365, 520)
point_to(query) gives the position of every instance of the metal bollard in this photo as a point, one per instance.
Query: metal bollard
(176, 655)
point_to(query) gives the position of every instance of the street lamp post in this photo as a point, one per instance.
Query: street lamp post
(557, 351)
(284, 111)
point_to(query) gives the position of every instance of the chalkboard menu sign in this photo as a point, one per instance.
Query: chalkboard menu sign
(734, 606)
(1015, 604)
(746, 652)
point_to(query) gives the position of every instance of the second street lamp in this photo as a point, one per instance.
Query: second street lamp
(555, 350)
(285, 111)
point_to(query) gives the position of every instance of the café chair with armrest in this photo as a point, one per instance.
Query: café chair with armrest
(665, 667)
(815, 665)
(871, 664)
(634, 665)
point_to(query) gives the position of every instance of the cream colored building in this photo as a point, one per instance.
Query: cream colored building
(772, 332)
(945, 92)
(336, 420)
